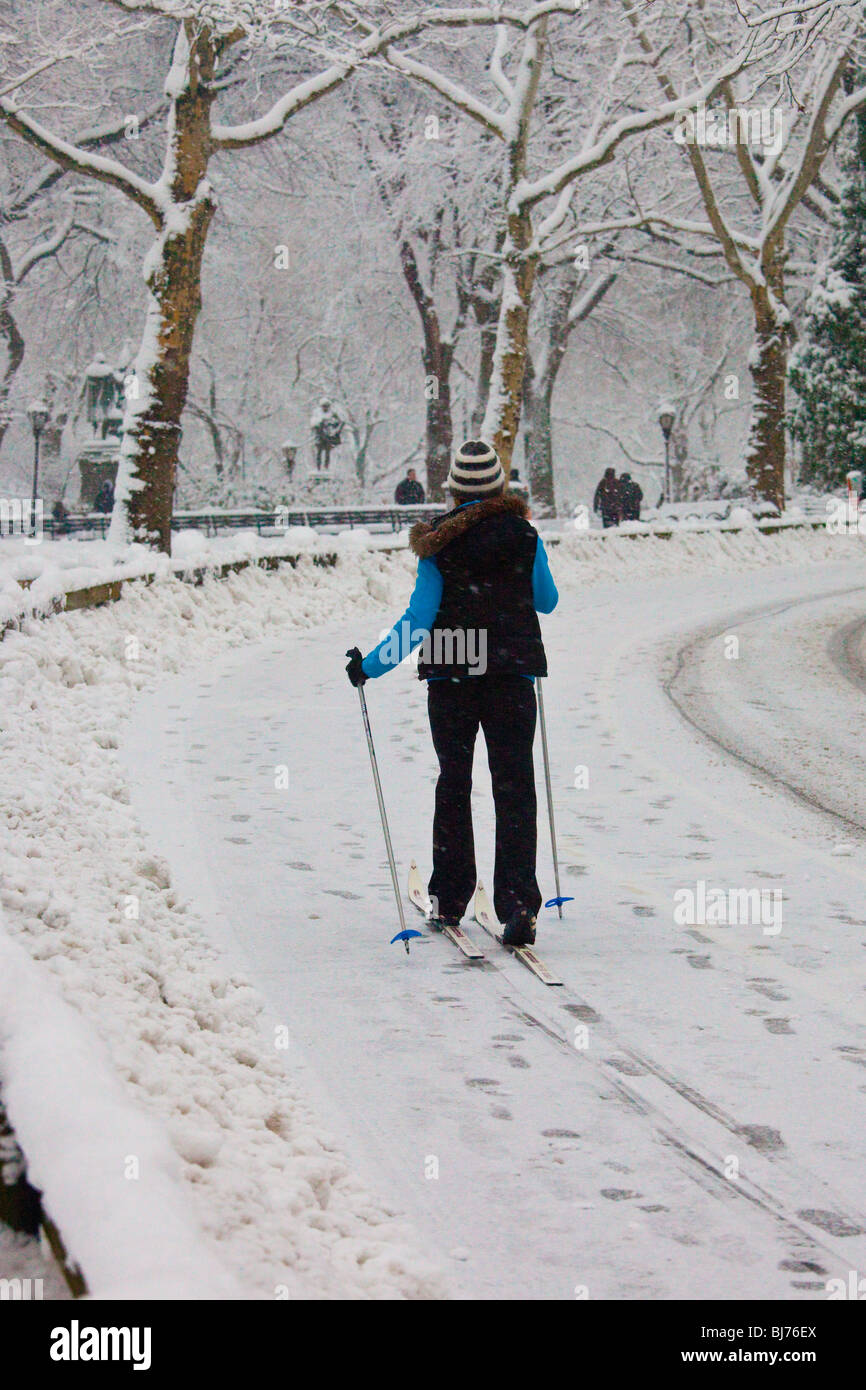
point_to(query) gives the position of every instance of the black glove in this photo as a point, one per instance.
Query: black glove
(354, 669)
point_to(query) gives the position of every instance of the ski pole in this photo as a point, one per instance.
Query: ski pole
(404, 935)
(543, 722)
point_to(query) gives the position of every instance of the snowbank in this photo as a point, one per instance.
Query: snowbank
(592, 556)
(87, 899)
(53, 568)
(110, 1180)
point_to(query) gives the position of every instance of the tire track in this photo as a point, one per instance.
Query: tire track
(843, 658)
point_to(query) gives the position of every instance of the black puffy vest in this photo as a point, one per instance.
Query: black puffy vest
(485, 553)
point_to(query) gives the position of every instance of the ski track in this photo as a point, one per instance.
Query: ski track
(533, 1158)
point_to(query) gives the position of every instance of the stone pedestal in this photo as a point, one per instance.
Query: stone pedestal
(96, 463)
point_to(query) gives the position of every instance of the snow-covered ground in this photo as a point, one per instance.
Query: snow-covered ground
(36, 573)
(709, 1048)
(675, 1122)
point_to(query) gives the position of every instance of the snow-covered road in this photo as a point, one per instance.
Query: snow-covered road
(683, 1118)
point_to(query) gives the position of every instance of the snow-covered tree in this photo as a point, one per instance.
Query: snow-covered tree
(219, 48)
(573, 295)
(432, 180)
(828, 366)
(613, 101)
(751, 187)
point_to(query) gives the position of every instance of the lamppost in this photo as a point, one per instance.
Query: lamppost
(667, 415)
(37, 414)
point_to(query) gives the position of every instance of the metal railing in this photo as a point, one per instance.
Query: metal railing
(393, 518)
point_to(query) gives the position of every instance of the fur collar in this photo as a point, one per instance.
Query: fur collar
(427, 538)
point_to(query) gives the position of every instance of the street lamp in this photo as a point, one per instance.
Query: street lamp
(37, 414)
(667, 415)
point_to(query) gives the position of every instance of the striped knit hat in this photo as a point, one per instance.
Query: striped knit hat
(476, 470)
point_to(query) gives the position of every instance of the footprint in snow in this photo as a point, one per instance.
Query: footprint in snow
(700, 962)
(626, 1065)
(762, 1138)
(584, 1012)
(830, 1221)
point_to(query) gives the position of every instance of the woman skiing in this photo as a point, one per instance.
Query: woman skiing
(482, 578)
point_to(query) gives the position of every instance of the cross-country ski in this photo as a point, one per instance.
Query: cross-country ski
(483, 914)
(419, 899)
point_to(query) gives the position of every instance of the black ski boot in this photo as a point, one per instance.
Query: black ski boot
(437, 923)
(519, 930)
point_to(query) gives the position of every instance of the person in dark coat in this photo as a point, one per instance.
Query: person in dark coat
(60, 517)
(104, 500)
(607, 499)
(483, 577)
(409, 492)
(630, 496)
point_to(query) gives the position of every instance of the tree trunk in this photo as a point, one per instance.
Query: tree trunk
(768, 364)
(437, 356)
(502, 417)
(539, 386)
(439, 430)
(15, 348)
(11, 333)
(485, 306)
(537, 399)
(485, 375)
(152, 428)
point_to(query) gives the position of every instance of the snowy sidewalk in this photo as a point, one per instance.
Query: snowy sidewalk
(529, 1163)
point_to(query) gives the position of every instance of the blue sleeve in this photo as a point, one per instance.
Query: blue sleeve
(544, 592)
(409, 631)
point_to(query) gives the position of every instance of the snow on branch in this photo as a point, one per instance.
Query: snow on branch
(82, 161)
(377, 42)
(452, 91)
(43, 249)
(531, 191)
(821, 133)
(107, 133)
(500, 80)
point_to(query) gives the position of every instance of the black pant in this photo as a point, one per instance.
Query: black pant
(504, 707)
